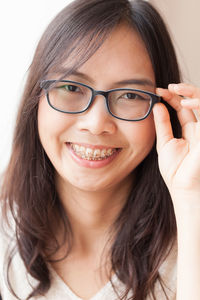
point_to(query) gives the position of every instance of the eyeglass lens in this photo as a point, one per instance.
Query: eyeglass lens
(124, 103)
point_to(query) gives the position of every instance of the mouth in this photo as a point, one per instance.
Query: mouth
(93, 153)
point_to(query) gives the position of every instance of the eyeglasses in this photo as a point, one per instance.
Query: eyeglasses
(73, 97)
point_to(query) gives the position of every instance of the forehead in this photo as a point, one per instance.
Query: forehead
(122, 55)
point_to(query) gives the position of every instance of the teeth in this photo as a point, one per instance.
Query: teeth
(92, 154)
(76, 147)
(103, 153)
(109, 151)
(97, 153)
(88, 152)
(82, 149)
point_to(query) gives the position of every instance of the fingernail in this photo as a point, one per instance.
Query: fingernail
(173, 86)
(186, 101)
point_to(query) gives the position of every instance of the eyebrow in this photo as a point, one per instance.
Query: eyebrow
(139, 81)
(142, 81)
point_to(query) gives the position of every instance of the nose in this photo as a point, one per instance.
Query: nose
(97, 119)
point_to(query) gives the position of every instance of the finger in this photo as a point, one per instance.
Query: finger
(188, 90)
(185, 114)
(162, 124)
(191, 103)
(169, 97)
(185, 89)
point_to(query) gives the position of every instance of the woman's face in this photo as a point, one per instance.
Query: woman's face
(67, 138)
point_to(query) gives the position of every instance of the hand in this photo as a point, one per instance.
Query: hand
(179, 159)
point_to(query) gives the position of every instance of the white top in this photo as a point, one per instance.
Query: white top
(60, 291)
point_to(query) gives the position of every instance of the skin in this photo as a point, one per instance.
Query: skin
(181, 174)
(96, 126)
(92, 198)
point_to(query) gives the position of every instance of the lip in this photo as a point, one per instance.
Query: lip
(93, 164)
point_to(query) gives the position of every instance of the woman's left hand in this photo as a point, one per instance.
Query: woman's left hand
(179, 159)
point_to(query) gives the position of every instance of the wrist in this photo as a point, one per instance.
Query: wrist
(186, 207)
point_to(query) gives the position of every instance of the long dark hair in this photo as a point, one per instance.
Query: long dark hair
(146, 225)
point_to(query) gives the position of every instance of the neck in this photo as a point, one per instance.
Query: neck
(91, 214)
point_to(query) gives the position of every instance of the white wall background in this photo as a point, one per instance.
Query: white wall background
(23, 21)
(183, 20)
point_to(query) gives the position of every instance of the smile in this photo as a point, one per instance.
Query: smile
(93, 154)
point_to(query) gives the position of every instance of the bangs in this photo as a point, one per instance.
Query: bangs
(76, 34)
(76, 54)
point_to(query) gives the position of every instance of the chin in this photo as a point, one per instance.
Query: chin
(89, 186)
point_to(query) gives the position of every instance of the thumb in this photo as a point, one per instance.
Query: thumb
(162, 124)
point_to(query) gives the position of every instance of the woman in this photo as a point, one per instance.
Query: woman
(91, 215)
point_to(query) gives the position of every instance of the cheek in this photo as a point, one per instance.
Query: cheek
(141, 135)
(51, 123)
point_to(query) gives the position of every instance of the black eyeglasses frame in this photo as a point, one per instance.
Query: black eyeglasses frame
(47, 84)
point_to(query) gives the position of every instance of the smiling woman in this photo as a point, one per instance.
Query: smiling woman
(86, 213)
(94, 126)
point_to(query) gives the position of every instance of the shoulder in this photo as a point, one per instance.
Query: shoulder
(168, 275)
(17, 271)
(21, 282)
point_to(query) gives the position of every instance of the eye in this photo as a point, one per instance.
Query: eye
(70, 88)
(132, 96)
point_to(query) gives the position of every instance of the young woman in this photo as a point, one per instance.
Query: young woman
(90, 208)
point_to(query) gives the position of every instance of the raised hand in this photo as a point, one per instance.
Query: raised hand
(179, 162)
(179, 159)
